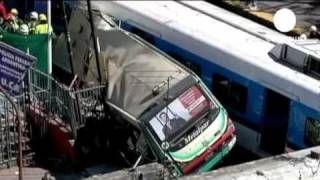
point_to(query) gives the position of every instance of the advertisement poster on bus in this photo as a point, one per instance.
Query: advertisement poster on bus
(14, 64)
(179, 112)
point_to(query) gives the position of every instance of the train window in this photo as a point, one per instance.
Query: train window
(142, 34)
(192, 66)
(220, 87)
(177, 57)
(238, 96)
(230, 93)
(314, 65)
(312, 131)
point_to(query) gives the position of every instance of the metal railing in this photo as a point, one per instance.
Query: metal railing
(90, 104)
(42, 99)
(11, 133)
(47, 98)
(8, 133)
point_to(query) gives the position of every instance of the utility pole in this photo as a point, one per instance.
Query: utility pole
(49, 37)
(70, 53)
(95, 45)
(68, 37)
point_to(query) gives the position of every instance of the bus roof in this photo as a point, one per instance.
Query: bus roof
(138, 75)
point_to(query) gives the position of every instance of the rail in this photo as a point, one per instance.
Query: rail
(47, 98)
(42, 98)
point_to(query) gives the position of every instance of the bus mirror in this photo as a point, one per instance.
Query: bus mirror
(165, 145)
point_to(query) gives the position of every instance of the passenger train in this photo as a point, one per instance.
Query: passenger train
(268, 82)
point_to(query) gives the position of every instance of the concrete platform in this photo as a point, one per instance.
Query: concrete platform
(28, 173)
(296, 165)
(152, 171)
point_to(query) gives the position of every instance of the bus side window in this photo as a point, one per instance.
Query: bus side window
(230, 93)
(312, 131)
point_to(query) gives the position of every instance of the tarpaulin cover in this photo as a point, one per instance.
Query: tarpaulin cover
(82, 46)
(135, 70)
(37, 45)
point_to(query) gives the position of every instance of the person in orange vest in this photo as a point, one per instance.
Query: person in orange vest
(43, 27)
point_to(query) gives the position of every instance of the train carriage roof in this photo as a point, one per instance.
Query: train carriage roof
(228, 46)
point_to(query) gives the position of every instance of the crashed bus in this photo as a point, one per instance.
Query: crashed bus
(170, 110)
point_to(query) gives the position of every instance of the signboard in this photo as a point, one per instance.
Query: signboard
(193, 101)
(36, 45)
(13, 66)
(185, 107)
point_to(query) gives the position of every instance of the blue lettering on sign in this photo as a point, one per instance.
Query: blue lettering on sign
(13, 66)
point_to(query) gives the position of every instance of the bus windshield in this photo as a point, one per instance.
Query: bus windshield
(189, 106)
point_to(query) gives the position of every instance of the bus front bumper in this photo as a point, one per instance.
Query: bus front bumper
(215, 158)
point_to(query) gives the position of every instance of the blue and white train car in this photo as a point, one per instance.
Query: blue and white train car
(269, 85)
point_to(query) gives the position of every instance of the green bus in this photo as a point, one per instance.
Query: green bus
(172, 115)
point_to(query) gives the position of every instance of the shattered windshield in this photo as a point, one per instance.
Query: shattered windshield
(187, 107)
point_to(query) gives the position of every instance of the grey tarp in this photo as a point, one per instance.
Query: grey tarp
(82, 46)
(135, 70)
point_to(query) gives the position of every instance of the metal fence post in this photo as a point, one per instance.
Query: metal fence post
(73, 115)
(19, 118)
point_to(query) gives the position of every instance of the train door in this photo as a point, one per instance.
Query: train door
(274, 125)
